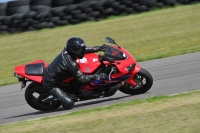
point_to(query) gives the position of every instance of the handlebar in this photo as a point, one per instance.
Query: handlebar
(105, 58)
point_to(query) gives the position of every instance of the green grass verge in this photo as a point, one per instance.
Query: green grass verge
(151, 35)
(163, 114)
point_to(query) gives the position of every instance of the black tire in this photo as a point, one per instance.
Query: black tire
(34, 102)
(129, 10)
(54, 19)
(16, 17)
(16, 24)
(140, 8)
(12, 30)
(24, 25)
(75, 12)
(74, 21)
(108, 11)
(83, 6)
(3, 32)
(100, 9)
(51, 25)
(41, 25)
(67, 17)
(61, 22)
(143, 75)
(107, 3)
(169, 2)
(95, 14)
(40, 2)
(159, 5)
(3, 7)
(81, 16)
(184, 1)
(42, 15)
(96, 5)
(149, 3)
(70, 8)
(121, 9)
(57, 10)
(18, 3)
(32, 21)
(40, 8)
(2, 12)
(87, 10)
(19, 9)
(57, 3)
(116, 12)
(127, 3)
(116, 5)
(3, 27)
(31, 14)
(6, 20)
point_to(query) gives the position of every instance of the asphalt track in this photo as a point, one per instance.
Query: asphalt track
(171, 75)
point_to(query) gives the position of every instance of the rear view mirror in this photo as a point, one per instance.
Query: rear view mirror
(110, 40)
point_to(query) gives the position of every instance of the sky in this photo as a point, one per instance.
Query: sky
(2, 1)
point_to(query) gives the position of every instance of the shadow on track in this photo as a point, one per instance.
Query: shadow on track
(75, 107)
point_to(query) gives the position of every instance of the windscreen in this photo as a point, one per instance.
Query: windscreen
(115, 53)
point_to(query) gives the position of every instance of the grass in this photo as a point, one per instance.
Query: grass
(147, 36)
(163, 114)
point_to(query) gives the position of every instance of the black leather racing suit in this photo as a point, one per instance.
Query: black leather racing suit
(63, 67)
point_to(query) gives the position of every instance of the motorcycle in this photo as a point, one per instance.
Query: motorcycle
(115, 61)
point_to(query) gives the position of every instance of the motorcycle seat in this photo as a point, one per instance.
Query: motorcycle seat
(34, 69)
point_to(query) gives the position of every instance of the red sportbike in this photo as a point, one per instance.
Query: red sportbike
(118, 63)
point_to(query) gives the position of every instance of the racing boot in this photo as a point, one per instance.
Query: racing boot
(65, 100)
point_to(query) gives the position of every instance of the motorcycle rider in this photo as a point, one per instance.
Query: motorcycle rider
(65, 66)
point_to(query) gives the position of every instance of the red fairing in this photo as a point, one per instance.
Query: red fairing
(20, 70)
(132, 75)
(123, 63)
(89, 63)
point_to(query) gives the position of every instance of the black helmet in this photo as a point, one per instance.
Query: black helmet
(75, 46)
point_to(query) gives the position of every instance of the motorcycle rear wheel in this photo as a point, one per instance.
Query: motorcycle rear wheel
(35, 93)
(143, 77)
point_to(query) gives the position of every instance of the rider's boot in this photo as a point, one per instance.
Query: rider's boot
(66, 100)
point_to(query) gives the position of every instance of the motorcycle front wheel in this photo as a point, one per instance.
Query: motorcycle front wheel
(35, 93)
(144, 82)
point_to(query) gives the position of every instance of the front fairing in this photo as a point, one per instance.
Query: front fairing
(122, 64)
(115, 52)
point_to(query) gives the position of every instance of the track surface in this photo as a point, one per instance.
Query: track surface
(171, 75)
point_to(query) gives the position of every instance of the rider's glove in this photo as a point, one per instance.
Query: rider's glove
(101, 76)
(101, 48)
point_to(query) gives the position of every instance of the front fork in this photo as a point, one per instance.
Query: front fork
(135, 70)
